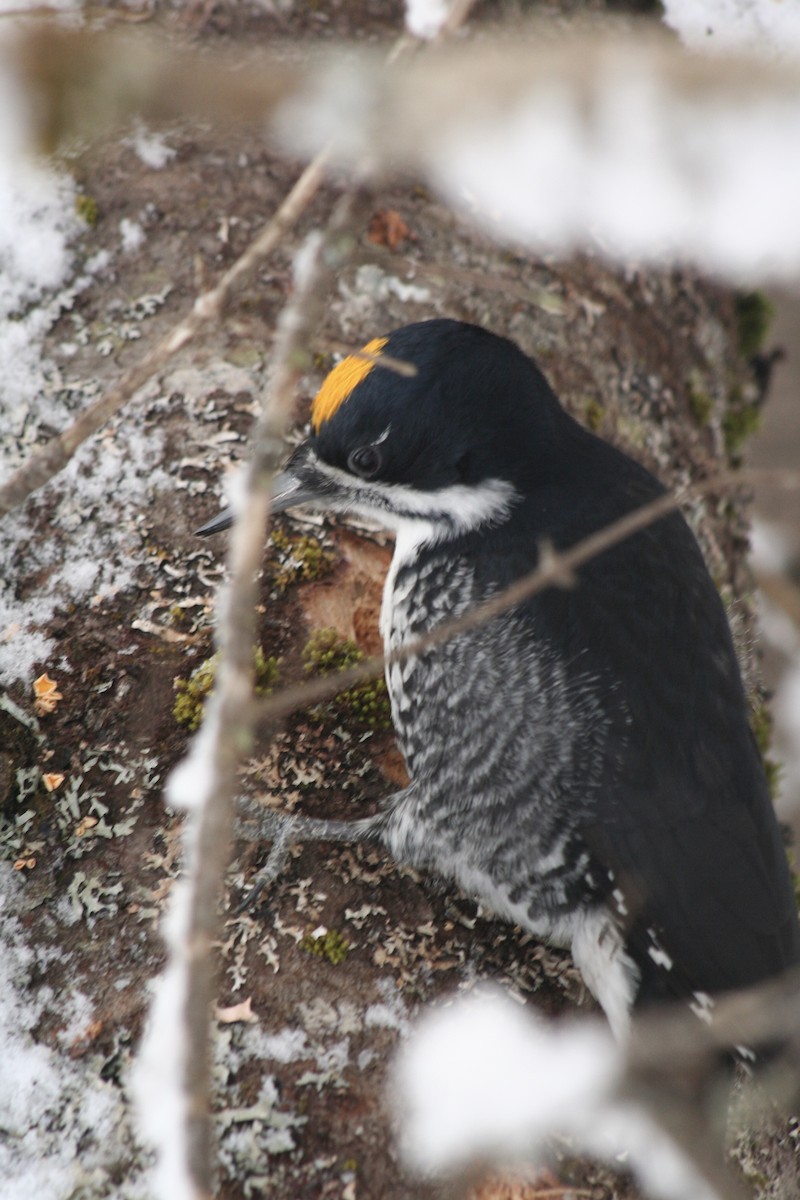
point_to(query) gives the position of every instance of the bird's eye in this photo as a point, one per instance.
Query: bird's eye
(365, 461)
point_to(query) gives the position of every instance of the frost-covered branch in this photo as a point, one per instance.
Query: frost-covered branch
(174, 1073)
(205, 782)
(623, 143)
(617, 140)
(487, 1082)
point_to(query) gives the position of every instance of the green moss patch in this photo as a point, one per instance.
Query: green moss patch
(741, 421)
(701, 404)
(331, 945)
(87, 210)
(193, 692)
(366, 704)
(297, 558)
(761, 725)
(754, 313)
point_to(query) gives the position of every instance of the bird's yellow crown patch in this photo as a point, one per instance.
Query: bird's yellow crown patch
(342, 381)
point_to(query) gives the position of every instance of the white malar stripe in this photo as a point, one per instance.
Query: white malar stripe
(459, 507)
(463, 509)
(451, 511)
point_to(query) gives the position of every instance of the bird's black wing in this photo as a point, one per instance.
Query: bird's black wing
(682, 817)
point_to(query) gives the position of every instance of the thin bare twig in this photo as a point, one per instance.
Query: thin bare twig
(398, 365)
(231, 729)
(458, 14)
(673, 1037)
(556, 569)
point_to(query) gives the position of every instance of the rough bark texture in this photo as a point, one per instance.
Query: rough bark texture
(347, 947)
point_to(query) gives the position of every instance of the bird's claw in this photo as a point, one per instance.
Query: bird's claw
(264, 824)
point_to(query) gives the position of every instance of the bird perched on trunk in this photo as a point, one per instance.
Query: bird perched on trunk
(583, 762)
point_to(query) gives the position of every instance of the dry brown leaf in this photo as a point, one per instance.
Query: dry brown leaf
(387, 228)
(46, 695)
(237, 1012)
(543, 1185)
(83, 1041)
(52, 780)
(162, 631)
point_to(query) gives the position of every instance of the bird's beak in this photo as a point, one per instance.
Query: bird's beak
(223, 520)
(288, 491)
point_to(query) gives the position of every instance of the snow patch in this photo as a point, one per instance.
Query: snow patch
(131, 234)
(425, 18)
(37, 223)
(653, 175)
(391, 1014)
(151, 148)
(161, 1102)
(91, 549)
(772, 26)
(62, 1124)
(486, 1081)
(93, 545)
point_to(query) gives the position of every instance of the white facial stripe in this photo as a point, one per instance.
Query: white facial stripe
(457, 508)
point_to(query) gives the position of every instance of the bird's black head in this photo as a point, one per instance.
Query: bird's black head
(469, 427)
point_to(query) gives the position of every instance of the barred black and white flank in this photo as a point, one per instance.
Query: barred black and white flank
(583, 763)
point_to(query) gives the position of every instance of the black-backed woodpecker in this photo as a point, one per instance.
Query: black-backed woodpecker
(583, 763)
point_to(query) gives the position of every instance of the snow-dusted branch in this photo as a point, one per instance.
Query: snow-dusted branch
(485, 1082)
(174, 1061)
(627, 144)
(623, 143)
(618, 140)
(205, 782)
